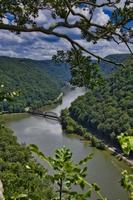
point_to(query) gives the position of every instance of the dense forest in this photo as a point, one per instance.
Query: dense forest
(108, 109)
(55, 69)
(38, 82)
(19, 172)
(36, 85)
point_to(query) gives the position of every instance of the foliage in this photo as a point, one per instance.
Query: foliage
(72, 127)
(35, 86)
(126, 143)
(60, 71)
(84, 72)
(22, 16)
(67, 174)
(108, 68)
(127, 182)
(99, 144)
(20, 174)
(6, 95)
(107, 110)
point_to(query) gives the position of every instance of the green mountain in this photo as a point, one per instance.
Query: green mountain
(59, 71)
(38, 81)
(108, 67)
(36, 86)
(108, 110)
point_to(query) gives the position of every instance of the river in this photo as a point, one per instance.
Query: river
(103, 169)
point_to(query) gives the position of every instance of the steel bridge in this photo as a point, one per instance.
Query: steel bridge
(49, 115)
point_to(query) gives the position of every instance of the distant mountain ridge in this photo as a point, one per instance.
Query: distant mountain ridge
(108, 67)
(60, 71)
(40, 81)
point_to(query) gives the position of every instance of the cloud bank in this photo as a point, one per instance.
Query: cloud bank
(39, 46)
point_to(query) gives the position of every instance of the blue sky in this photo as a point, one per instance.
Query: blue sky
(40, 46)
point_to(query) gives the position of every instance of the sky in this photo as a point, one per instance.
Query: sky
(41, 47)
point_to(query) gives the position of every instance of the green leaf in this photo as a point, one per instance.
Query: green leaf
(96, 187)
(126, 142)
(85, 160)
(36, 150)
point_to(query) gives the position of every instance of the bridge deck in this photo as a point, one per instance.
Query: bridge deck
(50, 115)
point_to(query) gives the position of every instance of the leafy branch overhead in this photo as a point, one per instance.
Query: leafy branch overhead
(22, 17)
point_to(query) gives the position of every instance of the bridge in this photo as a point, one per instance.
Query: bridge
(49, 115)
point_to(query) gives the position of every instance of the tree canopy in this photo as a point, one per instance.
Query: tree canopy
(107, 110)
(35, 87)
(21, 16)
(20, 174)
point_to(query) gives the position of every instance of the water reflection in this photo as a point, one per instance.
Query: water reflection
(47, 134)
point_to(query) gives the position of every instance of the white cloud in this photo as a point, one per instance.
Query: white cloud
(33, 45)
(42, 18)
(104, 47)
(119, 5)
(39, 46)
(10, 37)
(5, 20)
(100, 17)
(9, 53)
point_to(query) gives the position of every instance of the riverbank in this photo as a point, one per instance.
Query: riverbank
(58, 100)
(119, 156)
(52, 104)
(48, 135)
(70, 126)
(9, 117)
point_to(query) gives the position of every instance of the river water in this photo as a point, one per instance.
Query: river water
(103, 169)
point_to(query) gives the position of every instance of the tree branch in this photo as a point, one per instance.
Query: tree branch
(93, 4)
(60, 35)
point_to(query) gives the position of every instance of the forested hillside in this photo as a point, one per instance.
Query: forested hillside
(108, 67)
(59, 71)
(56, 70)
(36, 86)
(108, 110)
(19, 172)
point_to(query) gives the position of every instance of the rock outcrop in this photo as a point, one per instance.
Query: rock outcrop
(1, 191)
